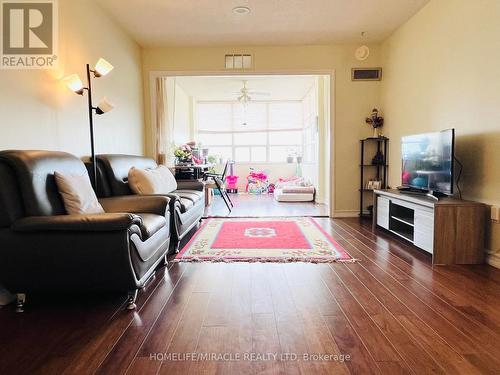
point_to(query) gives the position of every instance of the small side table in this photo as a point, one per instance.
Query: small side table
(191, 171)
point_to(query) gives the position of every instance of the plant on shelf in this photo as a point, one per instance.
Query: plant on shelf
(292, 154)
(212, 160)
(375, 121)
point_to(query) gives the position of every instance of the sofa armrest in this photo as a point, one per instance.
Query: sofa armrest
(175, 201)
(149, 204)
(80, 223)
(190, 185)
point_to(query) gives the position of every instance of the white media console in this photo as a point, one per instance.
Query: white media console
(452, 230)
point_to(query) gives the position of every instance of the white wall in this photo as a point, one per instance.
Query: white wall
(39, 112)
(310, 169)
(351, 102)
(441, 70)
(182, 116)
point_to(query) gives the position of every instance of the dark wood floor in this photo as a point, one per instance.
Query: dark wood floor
(391, 313)
(264, 205)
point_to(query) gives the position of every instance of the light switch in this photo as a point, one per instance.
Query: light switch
(495, 214)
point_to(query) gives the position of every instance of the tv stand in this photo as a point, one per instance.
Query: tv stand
(452, 230)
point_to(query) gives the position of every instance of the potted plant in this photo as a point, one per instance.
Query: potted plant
(212, 160)
(375, 121)
(183, 154)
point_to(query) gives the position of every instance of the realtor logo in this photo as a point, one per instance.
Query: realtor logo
(29, 34)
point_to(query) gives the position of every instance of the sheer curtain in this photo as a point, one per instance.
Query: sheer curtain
(162, 126)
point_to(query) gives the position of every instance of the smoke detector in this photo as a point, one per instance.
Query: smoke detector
(240, 10)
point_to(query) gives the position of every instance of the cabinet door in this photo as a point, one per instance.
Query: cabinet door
(424, 230)
(383, 212)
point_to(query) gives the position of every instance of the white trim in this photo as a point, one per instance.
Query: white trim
(345, 213)
(253, 101)
(222, 73)
(493, 259)
(331, 118)
(263, 130)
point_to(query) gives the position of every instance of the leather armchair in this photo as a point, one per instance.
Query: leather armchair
(44, 249)
(78, 223)
(187, 202)
(157, 205)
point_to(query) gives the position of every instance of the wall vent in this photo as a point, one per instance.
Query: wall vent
(366, 74)
(238, 61)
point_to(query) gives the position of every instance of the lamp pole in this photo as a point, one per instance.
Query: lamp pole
(75, 84)
(91, 122)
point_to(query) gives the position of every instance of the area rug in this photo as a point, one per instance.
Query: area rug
(263, 240)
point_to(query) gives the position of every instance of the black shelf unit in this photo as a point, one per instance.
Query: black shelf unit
(378, 171)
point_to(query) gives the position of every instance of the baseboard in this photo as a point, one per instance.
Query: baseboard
(345, 213)
(493, 259)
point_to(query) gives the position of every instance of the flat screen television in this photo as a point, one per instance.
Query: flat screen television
(428, 161)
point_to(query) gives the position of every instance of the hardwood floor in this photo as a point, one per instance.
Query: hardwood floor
(390, 313)
(248, 205)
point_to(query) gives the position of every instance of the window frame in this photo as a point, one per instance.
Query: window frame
(266, 130)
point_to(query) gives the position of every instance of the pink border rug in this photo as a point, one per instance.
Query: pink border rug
(263, 240)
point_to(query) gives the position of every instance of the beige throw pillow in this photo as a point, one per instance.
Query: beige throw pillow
(151, 181)
(77, 194)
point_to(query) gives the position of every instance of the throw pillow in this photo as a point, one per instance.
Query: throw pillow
(151, 181)
(77, 194)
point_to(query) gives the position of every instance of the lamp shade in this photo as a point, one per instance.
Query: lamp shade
(103, 67)
(104, 106)
(74, 83)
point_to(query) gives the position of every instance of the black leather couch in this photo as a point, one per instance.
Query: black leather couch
(44, 249)
(187, 203)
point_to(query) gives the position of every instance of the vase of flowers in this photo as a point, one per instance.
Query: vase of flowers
(375, 121)
(183, 154)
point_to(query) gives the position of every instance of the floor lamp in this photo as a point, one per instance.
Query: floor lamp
(75, 84)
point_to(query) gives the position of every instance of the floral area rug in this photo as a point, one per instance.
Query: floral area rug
(263, 240)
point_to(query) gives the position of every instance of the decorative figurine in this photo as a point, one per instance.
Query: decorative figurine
(378, 159)
(375, 121)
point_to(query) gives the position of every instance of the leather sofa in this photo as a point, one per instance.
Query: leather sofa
(187, 203)
(44, 249)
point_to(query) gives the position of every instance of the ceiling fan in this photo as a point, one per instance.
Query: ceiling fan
(245, 94)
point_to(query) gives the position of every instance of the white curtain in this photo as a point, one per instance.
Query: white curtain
(162, 127)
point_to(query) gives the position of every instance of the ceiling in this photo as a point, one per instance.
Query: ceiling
(227, 87)
(270, 22)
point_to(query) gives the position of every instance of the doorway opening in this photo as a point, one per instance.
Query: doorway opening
(271, 133)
